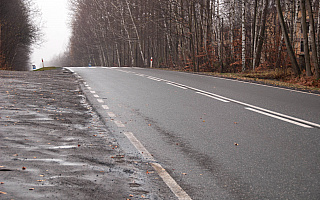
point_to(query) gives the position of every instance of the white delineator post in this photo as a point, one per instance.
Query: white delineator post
(42, 64)
(151, 62)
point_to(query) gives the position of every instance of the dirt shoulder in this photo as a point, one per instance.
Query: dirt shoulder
(53, 145)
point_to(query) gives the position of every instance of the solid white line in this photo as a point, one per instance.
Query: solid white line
(105, 107)
(262, 109)
(280, 118)
(225, 101)
(93, 92)
(111, 114)
(119, 124)
(270, 86)
(176, 86)
(100, 100)
(242, 103)
(170, 182)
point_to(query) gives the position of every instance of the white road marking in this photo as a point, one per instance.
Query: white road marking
(270, 86)
(280, 118)
(259, 108)
(170, 182)
(119, 124)
(176, 85)
(111, 114)
(212, 95)
(100, 100)
(225, 101)
(96, 96)
(153, 78)
(71, 70)
(105, 107)
(89, 88)
(93, 92)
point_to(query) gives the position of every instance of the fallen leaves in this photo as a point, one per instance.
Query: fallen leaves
(2, 192)
(24, 168)
(236, 144)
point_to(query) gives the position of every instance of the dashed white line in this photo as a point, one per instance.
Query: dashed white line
(111, 114)
(93, 92)
(280, 118)
(225, 101)
(153, 78)
(269, 86)
(119, 124)
(96, 96)
(262, 109)
(100, 100)
(105, 107)
(170, 182)
(176, 85)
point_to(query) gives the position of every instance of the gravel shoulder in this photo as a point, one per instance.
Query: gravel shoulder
(53, 144)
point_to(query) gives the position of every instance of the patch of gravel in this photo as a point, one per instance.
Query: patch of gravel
(53, 145)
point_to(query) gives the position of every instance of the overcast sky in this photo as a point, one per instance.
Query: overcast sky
(55, 18)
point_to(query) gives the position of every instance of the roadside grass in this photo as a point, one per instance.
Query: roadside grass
(46, 68)
(272, 77)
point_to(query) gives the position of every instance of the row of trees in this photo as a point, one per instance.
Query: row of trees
(197, 35)
(17, 33)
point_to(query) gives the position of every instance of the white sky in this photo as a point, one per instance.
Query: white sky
(55, 19)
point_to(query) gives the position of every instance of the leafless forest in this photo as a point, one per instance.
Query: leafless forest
(197, 35)
(18, 32)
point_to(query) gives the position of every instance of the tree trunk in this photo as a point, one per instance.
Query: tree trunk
(305, 37)
(292, 56)
(243, 17)
(253, 34)
(318, 43)
(261, 35)
(313, 38)
(232, 27)
(137, 34)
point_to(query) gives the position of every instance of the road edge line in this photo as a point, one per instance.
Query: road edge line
(167, 179)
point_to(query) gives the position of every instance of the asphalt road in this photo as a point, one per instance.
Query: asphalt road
(217, 138)
(53, 145)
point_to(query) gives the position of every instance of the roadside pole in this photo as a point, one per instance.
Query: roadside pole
(42, 64)
(151, 62)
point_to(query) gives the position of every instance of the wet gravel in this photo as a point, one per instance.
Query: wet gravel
(54, 146)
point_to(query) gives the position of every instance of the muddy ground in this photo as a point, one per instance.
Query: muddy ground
(54, 146)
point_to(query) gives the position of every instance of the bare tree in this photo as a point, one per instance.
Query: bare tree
(292, 56)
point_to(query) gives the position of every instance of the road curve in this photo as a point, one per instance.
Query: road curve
(217, 138)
